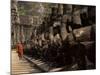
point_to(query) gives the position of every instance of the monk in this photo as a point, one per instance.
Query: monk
(20, 50)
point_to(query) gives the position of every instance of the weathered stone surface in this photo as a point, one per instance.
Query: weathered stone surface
(64, 32)
(26, 20)
(51, 33)
(84, 34)
(76, 17)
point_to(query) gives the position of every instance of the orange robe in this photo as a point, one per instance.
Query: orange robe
(20, 50)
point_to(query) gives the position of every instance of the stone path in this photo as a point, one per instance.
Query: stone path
(20, 67)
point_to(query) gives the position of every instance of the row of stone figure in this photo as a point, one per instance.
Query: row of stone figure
(65, 52)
